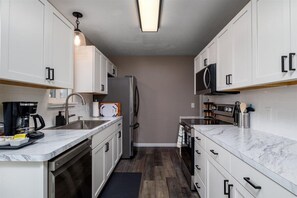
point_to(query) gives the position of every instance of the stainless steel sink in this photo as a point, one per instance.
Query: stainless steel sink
(80, 125)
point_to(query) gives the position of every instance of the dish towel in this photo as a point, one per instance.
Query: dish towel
(180, 137)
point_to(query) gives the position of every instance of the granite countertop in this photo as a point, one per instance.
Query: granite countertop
(54, 143)
(273, 156)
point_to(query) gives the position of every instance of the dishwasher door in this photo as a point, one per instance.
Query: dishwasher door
(70, 174)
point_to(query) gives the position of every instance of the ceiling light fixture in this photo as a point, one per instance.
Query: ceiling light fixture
(79, 37)
(149, 14)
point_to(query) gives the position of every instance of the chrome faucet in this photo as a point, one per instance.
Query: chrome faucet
(67, 116)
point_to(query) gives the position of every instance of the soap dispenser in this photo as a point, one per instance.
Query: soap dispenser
(60, 119)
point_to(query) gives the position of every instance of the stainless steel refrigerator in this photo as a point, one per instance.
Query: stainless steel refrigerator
(124, 90)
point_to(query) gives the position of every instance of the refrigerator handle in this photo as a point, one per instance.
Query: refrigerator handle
(135, 126)
(136, 101)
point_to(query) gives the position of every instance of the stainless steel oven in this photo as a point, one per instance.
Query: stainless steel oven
(223, 115)
(70, 174)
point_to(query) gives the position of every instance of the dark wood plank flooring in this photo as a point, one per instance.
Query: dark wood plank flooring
(162, 176)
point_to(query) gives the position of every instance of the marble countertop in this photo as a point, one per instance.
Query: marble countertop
(273, 156)
(54, 143)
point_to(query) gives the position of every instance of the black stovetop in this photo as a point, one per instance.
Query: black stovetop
(203, 121)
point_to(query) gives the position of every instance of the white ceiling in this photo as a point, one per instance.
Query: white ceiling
(186, 25)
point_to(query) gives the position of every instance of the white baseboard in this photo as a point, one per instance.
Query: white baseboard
(155, 144)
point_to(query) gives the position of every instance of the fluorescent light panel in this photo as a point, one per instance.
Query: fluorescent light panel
(149, 15)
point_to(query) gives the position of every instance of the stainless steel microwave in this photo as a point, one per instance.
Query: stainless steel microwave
(206, 82)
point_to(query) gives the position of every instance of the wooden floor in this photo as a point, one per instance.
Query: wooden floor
(161, 173)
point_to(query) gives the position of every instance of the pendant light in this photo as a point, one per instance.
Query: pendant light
(79, 37)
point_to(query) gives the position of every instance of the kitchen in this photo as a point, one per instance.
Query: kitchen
(199, 53)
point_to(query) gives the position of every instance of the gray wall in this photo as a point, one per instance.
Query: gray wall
(166, 92)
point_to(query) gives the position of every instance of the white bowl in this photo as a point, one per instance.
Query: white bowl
(18, 142)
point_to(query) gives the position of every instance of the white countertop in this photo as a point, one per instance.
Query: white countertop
(54, 143)
(273, 156)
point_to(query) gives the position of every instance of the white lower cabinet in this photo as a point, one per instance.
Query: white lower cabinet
(105, 156)
(108, 156)
(226, 176)
(98, 163)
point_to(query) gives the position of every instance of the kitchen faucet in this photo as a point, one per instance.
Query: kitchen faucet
(67, 116)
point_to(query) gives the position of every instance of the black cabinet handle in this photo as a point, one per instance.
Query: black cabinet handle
(227, 192)
(230, 79)
(120, 134)
(102, 87)
(197, 151)
(196, 184)
(291, 55)
(205, 62)
(213, 152)
(53, 74)
(283, 63)
(113, 71)
(227, 80)
(106, 147)
(248, 180)
(48, 69)
(198, 138)
(225, 186)
(198, 167)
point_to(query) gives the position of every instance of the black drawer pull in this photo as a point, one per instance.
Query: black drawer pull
(102, 87)
(198, 167)
(197, 138)
(283, 63)
(213, 152)
(230, 79)
(197, 151)
(291, 55)
(120, 134)
(197, 185)
(227, 80)
(247, 179)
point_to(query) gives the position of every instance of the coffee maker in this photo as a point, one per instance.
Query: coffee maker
(17, 117)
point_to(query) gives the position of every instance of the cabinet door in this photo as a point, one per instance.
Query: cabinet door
(103, 74)
(204, 59)
(115, 148)
(224, 57)
(108, 153)
(120, 143)
(238, 191)
(272, 39)
(241, 27)
(212, 52)
(97, 76)
(23, 40)
(98, 169)
(61, 51)
(196, 69)
(215, 180)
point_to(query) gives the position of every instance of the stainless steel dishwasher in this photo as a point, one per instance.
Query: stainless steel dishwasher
(70, 174)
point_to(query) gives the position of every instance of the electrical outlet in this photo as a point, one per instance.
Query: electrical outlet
(193, 105)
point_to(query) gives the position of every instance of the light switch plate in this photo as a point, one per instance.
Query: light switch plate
(193, 105)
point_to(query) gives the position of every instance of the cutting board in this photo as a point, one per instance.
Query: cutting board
(110, 109)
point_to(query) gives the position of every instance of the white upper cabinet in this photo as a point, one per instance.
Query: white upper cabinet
(23, 40)
(90, 70)
(212, 52)
(224, 58)
(36, 44)
(241, 27)
(272, 40)
(103, 73)
(196, 69)
(111, 69)
(61, 50)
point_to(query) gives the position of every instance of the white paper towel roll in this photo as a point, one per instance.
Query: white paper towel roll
(95, 109)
